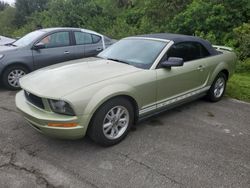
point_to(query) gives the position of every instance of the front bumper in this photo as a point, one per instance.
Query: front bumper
(39, 119)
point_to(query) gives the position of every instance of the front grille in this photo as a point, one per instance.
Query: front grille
(33, 99)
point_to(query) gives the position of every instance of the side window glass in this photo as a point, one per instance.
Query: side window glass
(203, 51)
(188, 51)
(58, 39)
(96, 38)
(107, 40)
(176, 51)
(83, 38)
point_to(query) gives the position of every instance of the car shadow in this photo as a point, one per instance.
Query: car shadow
(67, 147)
(155, 119)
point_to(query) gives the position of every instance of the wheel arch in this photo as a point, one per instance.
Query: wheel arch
(226, 72)
(222, 67)
(127, 97)
(16, 64)
(130, 98)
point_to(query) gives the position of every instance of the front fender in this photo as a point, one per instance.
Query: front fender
(109, 92)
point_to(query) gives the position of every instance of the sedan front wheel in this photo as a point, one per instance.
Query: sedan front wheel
(12, 75)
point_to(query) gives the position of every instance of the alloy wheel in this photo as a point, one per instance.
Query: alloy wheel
(219, 87)
(14, 76)
(116, 122)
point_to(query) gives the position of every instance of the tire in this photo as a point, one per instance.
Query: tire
(217, 90)
(16, 72)
(107, 129)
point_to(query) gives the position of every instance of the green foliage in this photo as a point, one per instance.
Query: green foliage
(3, 5)
(25, 8)
(239, 85)
(242, 40)
(243, 66)
(223, 22)
(213, 20)
(7, 17)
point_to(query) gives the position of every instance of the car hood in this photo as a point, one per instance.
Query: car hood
(5, 40)
(7, 48)
(59, 80)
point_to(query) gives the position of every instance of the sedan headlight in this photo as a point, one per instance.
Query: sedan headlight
(1, 56)
(61, 107)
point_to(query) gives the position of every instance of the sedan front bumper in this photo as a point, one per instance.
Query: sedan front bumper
(39, 119)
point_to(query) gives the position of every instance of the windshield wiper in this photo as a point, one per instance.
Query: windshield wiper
(11, 44)
(118, 60)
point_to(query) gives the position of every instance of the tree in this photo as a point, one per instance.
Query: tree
(213, 20)
(3, 5)
(124, 3)
(242, 40)
(25, 8)
(7, 17)
(220, 21)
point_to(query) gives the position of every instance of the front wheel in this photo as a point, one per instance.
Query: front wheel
(12, 75)
(218, 88)
(111, 122)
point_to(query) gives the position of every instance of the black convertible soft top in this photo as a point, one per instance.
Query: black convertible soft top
(178, 38)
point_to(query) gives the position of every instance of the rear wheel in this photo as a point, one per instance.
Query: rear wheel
(12, 75)
(218, 88)
(111, 122)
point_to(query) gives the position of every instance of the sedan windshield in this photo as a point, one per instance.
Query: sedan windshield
(140, 53)
(27, 39)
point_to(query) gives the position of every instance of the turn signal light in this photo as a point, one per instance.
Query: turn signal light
(62, 124)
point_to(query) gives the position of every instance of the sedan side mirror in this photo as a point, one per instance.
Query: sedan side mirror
(39, 46)
(172, 62)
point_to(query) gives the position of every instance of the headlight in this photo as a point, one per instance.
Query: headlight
(1, 56)
(61, 107)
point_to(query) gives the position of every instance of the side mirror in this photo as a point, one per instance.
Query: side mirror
(39, 46)
(172, 62)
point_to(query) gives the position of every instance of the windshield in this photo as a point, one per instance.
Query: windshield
(27, 39)
(140, 53)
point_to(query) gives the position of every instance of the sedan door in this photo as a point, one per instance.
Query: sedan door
(57, 49)
(87, 44)
(177, 83)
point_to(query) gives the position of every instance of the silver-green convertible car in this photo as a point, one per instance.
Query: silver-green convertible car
(135, 78)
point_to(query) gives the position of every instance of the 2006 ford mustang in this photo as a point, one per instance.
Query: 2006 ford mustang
(135, 78)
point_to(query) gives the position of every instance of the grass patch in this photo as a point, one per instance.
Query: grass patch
(239, 84)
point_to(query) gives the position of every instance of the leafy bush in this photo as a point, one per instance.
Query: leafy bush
(242, 40)
(7, 17)
(223, 22)
(243, 66)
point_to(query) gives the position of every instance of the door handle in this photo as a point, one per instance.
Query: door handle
(200, 68)
(66, 52)
(99, 49)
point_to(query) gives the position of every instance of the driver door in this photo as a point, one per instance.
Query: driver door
(176, 81)
(57, 49)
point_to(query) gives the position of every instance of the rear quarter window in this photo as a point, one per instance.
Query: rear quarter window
(107, 40)
(96, 38)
